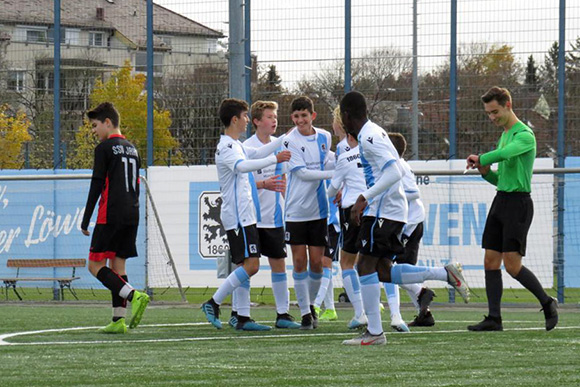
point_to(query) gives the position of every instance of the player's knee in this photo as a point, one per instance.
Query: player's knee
(366, 265)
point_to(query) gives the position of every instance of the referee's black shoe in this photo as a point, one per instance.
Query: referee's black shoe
(489, 323)
(551, 313)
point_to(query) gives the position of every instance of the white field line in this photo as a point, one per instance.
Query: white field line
(184, 339)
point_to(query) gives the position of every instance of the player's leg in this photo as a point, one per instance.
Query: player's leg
(394, 302)
(331, 255)
(274, 247)
(517, 220)
(315, 257)
(245, 251)
(296, 238)
(118, 324)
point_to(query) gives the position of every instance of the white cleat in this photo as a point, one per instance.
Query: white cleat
(399, 325)
(358, 322)
(455, 279)
(367, 339)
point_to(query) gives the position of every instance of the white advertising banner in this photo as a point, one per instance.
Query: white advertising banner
(188, 202)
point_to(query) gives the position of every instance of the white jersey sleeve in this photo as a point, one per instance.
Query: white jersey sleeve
(238, 208)
(377, 152)
(416, 207)
(349, 175)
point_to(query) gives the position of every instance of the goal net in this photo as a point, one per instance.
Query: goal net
(40, 220)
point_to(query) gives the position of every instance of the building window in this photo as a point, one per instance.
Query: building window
(35, 36)
(50, 34)
(16, 81)
(141, 62)
(166, 40)
(96, 39)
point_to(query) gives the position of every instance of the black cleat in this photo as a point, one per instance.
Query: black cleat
(551, 314)
(423, 320)
(285, 321)
(424, 300)
(489, 323)
(314, 316)
(307, 322)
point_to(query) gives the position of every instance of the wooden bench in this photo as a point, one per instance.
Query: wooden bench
(64, 282)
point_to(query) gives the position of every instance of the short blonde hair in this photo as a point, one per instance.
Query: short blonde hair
(258, 107)
(337, 117)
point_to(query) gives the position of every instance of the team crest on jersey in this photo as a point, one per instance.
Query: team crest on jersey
(259, 171)
(370, 139)
(347, 149)
(213, 241)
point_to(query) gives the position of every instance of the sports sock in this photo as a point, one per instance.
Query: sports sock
(301, 289)
(119, 303)
(413, 290)
(233, 281)
(351, 283)
(243, 298)
(371, 296)
(280, 290)
(393, 298)
(115, 283)
(409, 274)
(531, 282)
(323, 287)
(314, 280)
(329, 298)
(494, 290)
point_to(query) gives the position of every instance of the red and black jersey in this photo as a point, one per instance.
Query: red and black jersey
(116, 180)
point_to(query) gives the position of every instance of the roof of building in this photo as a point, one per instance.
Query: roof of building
(128, 17)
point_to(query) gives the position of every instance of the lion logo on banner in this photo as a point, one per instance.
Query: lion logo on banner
(212, 237)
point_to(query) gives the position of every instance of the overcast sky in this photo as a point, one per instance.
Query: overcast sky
(301, 35)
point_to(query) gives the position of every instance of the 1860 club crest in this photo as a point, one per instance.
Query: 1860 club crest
(213, 240)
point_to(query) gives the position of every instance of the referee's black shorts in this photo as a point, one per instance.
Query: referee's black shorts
(508, 222)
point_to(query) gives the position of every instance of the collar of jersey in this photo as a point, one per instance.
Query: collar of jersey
(116, 135)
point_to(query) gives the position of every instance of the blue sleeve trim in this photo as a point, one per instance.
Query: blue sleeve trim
(388, 163)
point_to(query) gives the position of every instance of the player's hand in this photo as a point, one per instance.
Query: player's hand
(275, 183)
(338, 198)
(472, 162)
(283, 156)
(357, 209)
(86, 232)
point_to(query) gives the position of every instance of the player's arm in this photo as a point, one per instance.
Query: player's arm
(253, 165)
(337, 178)
(97, 182)
(521, 143)
(264, 150)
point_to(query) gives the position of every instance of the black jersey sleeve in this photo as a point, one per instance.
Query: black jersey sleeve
(97, 182)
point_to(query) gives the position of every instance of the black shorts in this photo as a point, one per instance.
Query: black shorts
(349, 231)
(380, 237)
(310, 233)
(331, 251)
(508, 222)
(411, 243)
(113, 240)
(272, 242)
(244, 243)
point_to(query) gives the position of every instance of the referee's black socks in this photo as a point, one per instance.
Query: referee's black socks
(494, 291)
(531, 282)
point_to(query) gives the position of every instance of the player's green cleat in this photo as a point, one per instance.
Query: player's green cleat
(381, 307)
(138, 306)
(115, 327)
(329, 315)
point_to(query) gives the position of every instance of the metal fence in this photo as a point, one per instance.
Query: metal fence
(423, 64)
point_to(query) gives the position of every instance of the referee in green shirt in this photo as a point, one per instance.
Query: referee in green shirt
(512, 210)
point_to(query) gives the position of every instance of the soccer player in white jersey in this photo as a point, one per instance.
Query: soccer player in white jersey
(412, 233)
(306, 210)
(271, 182)
(239, 213)
(384, 211)
(348, 177)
